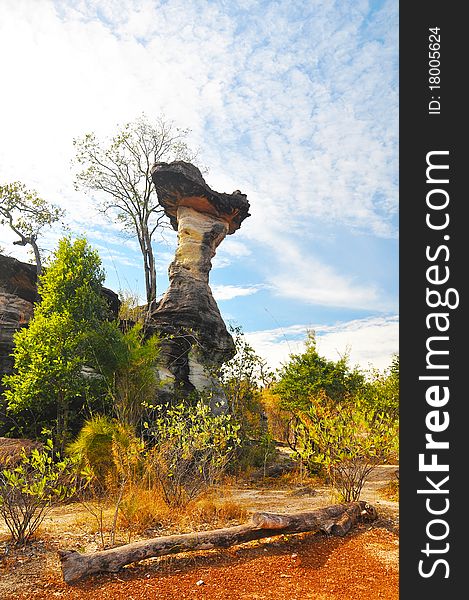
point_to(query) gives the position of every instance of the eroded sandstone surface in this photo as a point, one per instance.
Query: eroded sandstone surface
(18, 293)
(195, 339)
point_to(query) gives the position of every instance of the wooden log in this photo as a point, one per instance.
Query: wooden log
(336, 520)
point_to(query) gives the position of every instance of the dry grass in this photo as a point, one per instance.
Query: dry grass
(144, 509)
(214, 511)
(390, 491)
(10, 450)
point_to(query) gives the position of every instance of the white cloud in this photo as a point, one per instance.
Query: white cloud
(228, 252)
(294, 103)
(311, 135)
(369, 343)
(301, 276)
(228, 292)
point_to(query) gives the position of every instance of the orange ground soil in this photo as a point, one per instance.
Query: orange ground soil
(361, 566)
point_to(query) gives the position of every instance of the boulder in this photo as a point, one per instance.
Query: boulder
(18, 293)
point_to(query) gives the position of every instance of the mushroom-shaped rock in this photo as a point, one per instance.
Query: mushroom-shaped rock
(195, 338)
(181, 184)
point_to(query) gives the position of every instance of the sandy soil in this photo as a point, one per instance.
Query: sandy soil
(363, 565)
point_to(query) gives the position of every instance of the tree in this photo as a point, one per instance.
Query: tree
(121, 168)
(382, 390)
(242, 378)
(308, 374)
(50, 355)
(26, 214)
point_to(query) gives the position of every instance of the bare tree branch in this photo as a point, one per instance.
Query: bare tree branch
(26, 214)
(121, 167)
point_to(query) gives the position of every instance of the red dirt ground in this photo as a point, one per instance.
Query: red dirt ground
(361, 566)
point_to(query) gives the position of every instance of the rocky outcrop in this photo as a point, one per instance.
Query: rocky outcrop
(195, 338)
(18, 294)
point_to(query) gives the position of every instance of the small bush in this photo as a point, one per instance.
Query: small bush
(111, 460)
(254, 455)
(191, 450)
(103, 447)
(348, 439)
(30, 489)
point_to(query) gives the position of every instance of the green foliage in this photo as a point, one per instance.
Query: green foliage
(130, 310)
(254, 455)
(241, 379)
(382, 391)
(126, 362)
(93, 449)
(47, 372)
(51, 354)
(31, 488)
(309, 374)
(346, 439)
(341, 423)
(72, 283)
(134, 381)
(26, 214)
(191, 449)
(121, 169)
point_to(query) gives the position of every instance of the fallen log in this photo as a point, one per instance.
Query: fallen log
(335, 520)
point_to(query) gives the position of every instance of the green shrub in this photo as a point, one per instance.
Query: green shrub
(101, 448)
(191, 449)
(347, 440)
(30, 489)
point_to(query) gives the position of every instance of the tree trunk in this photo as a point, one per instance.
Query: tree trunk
(37, 256)
(62, 418)
(151, 270)
(335, 520)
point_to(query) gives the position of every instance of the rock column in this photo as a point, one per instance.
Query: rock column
(195, 339)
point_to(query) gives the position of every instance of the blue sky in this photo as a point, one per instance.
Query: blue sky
(294, 102)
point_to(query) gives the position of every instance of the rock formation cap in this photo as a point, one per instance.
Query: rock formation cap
(180, 183)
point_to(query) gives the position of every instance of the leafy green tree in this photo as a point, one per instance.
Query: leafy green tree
(26, 214)
(382, 390)
(307, 375)
(121, 169)
(50, 355)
